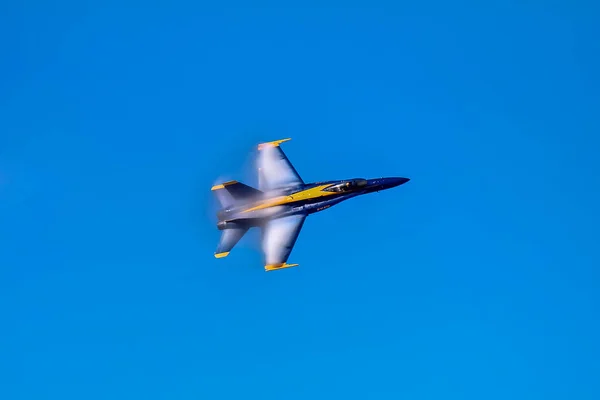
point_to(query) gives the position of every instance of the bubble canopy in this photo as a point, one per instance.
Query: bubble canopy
(348, 185)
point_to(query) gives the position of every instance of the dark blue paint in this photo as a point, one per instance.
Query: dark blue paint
(234, 218)
(478, 281)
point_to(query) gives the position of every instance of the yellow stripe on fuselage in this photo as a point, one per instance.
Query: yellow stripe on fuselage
(307, 194)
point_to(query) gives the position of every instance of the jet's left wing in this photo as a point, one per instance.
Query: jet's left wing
(275, 171)
(278, 239)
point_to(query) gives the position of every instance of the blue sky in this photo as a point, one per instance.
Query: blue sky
(477, 279)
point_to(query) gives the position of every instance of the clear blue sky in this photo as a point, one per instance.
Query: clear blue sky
(476, 280)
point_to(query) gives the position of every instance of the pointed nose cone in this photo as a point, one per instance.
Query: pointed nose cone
(378, 184)
(396, 181)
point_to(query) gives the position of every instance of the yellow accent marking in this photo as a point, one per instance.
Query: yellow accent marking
(269, 203)
(222, 185)
(221, 255)
(274, 267)
(274, 143)
(298, 196)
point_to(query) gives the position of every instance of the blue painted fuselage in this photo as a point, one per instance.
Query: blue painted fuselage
(305, 199)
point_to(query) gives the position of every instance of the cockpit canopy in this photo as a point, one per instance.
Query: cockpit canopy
(347, 186)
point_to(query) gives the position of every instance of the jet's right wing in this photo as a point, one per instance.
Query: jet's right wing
(278, 239)
(275, 171)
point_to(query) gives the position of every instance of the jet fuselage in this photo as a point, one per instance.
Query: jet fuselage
(302, 200)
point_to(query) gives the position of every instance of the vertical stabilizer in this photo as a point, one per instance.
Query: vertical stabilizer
(234, 192)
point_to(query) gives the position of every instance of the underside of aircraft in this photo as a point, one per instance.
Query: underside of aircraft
(280, 204)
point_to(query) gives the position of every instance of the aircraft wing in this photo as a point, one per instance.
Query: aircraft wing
(278, 239)
(275, 171)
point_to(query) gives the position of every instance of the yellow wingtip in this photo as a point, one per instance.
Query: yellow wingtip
(274, 143)
(221, 255)
(222, 185)
(274, 267)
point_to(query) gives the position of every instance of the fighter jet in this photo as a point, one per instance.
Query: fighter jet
(281, 204)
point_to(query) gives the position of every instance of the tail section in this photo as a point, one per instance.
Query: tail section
(229, 194)
(229, 238)
(232, 192)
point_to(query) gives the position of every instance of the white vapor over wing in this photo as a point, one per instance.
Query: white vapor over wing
(279, 237)
(275, 170)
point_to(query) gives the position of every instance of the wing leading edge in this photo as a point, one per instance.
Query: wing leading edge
(275, 171)
(278, 239)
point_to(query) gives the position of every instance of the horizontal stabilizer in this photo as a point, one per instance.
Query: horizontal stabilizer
(229, 238)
